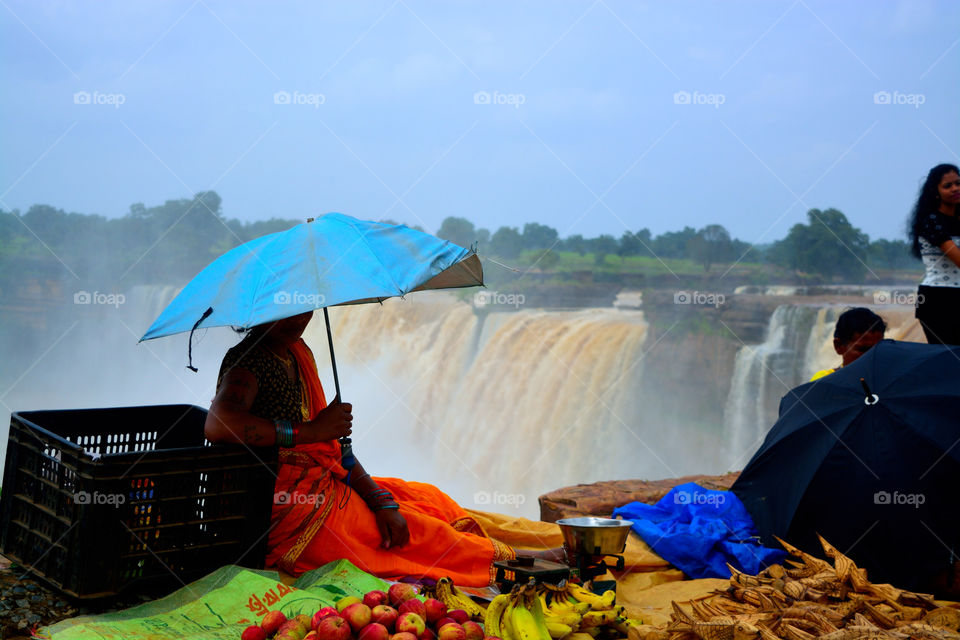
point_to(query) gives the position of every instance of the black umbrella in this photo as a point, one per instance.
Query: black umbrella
(869, 458)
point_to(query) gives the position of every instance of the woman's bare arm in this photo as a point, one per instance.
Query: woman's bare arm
(230, 420)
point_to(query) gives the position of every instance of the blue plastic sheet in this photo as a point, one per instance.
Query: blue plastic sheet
(699, 531)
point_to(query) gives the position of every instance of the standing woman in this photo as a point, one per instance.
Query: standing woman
(935, 233)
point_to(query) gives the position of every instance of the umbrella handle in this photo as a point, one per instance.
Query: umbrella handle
(346, 447)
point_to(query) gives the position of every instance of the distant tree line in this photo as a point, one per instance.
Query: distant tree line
(171, 242)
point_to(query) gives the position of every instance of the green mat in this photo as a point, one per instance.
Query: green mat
(221, 605)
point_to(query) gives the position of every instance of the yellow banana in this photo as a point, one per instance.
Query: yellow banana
(533, 604)
(623, 626)
(491, 619)
(583, 595)
(571, 618)
(448, 594)
(558, 630)
(525, 625)
(564, 606)
(600, 618)
(507, 629)
(608, 598)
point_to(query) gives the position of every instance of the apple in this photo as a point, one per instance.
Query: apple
(304, 621)
(385, 614)
(291, 630)
(451, 631)
(310, 636)
(358, 615)
(434, 609)
(413, 606)
(254, 632)
(492, 638)
(400, 592)
(473, 630)
(428, 634)
(333, 628)
(444, 620)
(374, 631)
(403, 635)
(343, 603)
(411, 623)
(272, 621)
(459, 615)
(320, 615)
(374, 598)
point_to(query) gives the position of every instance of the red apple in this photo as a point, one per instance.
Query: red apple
(459, 615)
(374, 631)
(444, 620)
(320, 615)
(385, 615)
(434, 609)
(333, 628)
(311, 636)
(343, 603)
(400, 592)
(291, 630)
(413, 606)
(254, 633)
(403, 635)
(272, 621)
(451, 631)
(473, 630)
(411, 623)
(358, 615)
(374, 598)
(428, 634)
(492, 638)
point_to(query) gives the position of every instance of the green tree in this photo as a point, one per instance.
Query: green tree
(575, 243)
(506, 242)
(827, 245)
(710, 245)
(458, 231)
(603, 246)
(548, 260)
(538, 236)
(673, 244)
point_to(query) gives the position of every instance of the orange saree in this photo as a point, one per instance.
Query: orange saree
(317, 518)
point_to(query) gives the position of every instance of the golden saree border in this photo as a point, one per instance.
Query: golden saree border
(316, 520)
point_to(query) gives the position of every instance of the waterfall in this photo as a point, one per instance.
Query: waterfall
(798, 342)
(495, 410)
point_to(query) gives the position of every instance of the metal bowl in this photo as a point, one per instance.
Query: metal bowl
(595, 536)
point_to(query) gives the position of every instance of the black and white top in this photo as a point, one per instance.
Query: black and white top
(935, 229)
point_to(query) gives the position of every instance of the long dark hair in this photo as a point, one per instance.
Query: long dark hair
(927, 201)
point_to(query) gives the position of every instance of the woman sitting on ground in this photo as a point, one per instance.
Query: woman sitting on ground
(857, 330)
(268, 392)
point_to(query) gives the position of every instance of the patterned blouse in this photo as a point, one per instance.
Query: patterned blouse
(278, 397)
(935, 229)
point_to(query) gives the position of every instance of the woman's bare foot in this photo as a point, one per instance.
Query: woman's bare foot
(555, 554)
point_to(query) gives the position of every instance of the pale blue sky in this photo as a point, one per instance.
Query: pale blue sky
(599, 143)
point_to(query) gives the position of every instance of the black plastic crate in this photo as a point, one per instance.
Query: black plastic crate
(97, 501)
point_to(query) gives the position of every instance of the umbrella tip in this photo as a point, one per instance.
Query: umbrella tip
(309, 220)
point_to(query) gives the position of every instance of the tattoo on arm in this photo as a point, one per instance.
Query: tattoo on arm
(250, 435)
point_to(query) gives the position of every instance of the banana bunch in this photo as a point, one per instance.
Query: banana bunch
(448, 594)
(548, 612)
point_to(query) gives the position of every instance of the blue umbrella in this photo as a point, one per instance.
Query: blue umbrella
(333, 260)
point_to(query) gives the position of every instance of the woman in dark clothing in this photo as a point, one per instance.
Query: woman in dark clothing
(935, 234)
